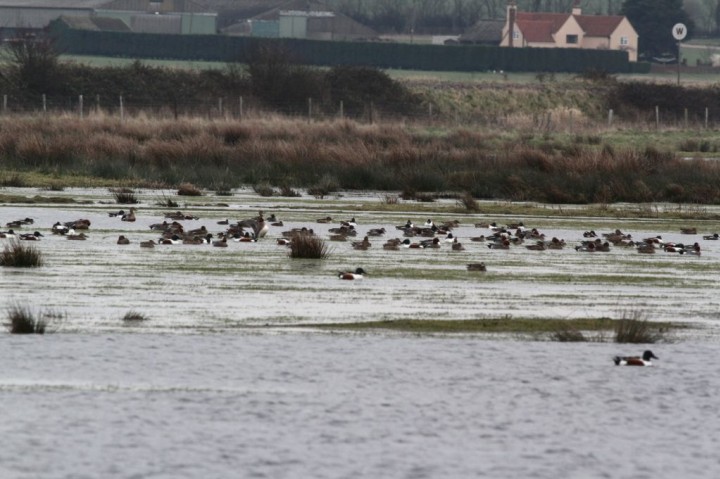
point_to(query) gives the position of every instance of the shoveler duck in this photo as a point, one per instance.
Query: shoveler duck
(123, 240)
(284, 242)
(503, 244)
(428, 224)
(147, 244)
(31, 236)
(351, 223)
(538, 246)
(646, 248)
(711, 237)
(114, 214)
(688, 231)
(407, 244)
(407, 225)
(590, 234)
(476, 267)
(245, 238)
(196, 240)
(221, 243)
(644, 360)
(174, 239)
(674, 248)
(359, 273)
(376, 232)
(9, 234)
(224, 222)
(59, 228)
(343, 230)
(327, 219)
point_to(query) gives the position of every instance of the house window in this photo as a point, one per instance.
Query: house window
(571, 39)
(624, 41)
(516, 34)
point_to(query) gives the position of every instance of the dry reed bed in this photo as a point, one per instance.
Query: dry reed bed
(489, 164)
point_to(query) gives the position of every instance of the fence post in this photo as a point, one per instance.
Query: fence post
(610, 117)
(80, 105)
(44, 100)
(706, 118)
(657, 117)
(122, 109)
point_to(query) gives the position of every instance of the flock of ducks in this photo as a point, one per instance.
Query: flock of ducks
(428, 235)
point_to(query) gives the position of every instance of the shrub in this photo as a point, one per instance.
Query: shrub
(124, 196)
(288, 192)
(188, 189)
(23, 321)
(14, 181)
(308, 247)
(18, 254)
(567, 334)
(467, 200)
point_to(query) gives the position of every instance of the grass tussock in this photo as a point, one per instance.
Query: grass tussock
(309, 247)
(21, 320)
(633, 327)
(124, 196)
(133, 316)
(20, 255)
(188, 189)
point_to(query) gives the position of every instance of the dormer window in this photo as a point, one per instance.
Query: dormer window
(571, 39)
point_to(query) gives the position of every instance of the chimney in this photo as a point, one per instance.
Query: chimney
(576, 10)
(511, 12)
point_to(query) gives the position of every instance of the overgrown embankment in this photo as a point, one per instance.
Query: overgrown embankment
(349, 155)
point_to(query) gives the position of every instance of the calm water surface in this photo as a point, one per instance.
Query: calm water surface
(307, 404)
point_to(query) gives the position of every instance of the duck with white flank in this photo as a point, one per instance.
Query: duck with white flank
(644, 360)
(359, 273)
(31, 236)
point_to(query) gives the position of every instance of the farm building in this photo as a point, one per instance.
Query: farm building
(568, 30)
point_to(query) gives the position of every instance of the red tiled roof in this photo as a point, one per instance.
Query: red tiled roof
(539, 27)
(598, 26)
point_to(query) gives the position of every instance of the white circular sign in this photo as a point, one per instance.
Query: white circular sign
(679, 31)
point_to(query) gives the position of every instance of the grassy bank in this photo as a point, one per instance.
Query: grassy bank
(516, 165)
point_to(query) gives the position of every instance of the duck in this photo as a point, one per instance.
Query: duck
(407, 244)
(376, 232)
(433, 243)
(712, 237)
(59, 228)
(31, 236)
(645, 248)
(555, 243)
(688, 231)
(221, 243)
(476, 267)
(362, 245)
(428, 224)
(539, 246)
(449, 238)
(174, 239)
(351, 223)
(147, 244)
(694, 250)
(9, 234)
(81, 224)
(114, 214)
(284, 242)
(359, 273)
(478, 239)
(77, 237)
(123, 240)
(129, 216)
(20, 223)
(456, 246)
(245, 238)
(202, 231)
(504, 244)
(258, 224)
(408, 225)
(327, 219)
(645, 360)
(224, 222)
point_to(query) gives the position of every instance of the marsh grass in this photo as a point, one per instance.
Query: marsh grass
(308, 247)
(634, 327)
(20, 255)
(166, 202)
(133, 316)
(124, 196)
(264, 189)
(13, 180)
(188, 189)
(22, 320)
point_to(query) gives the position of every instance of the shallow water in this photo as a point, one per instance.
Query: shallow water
(338, 405)
(95, 282)
(197, 391)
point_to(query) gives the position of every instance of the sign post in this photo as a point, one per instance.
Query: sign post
(679, 32)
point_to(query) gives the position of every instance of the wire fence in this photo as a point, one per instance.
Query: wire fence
(239, 108)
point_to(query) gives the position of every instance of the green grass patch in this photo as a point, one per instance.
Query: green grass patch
(498, 325)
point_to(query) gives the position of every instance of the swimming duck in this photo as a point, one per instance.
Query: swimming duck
(351, 223)
(359, 273)
(174, 239)
(77, 237)
(646, 248)
(245, 238)
(123, 240)
(694, 250)
(221, 243)
(456, 246)
(31, 236)
(130, 216)
(688, 231)
(376, 232)
(407, 244)
(147, 244)
(9, 234)
(645, 360)
(407, 225)
(114, 214)
(327, 219)
(539, 246)
(711, 237)
(20, 223)
(362, 245)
